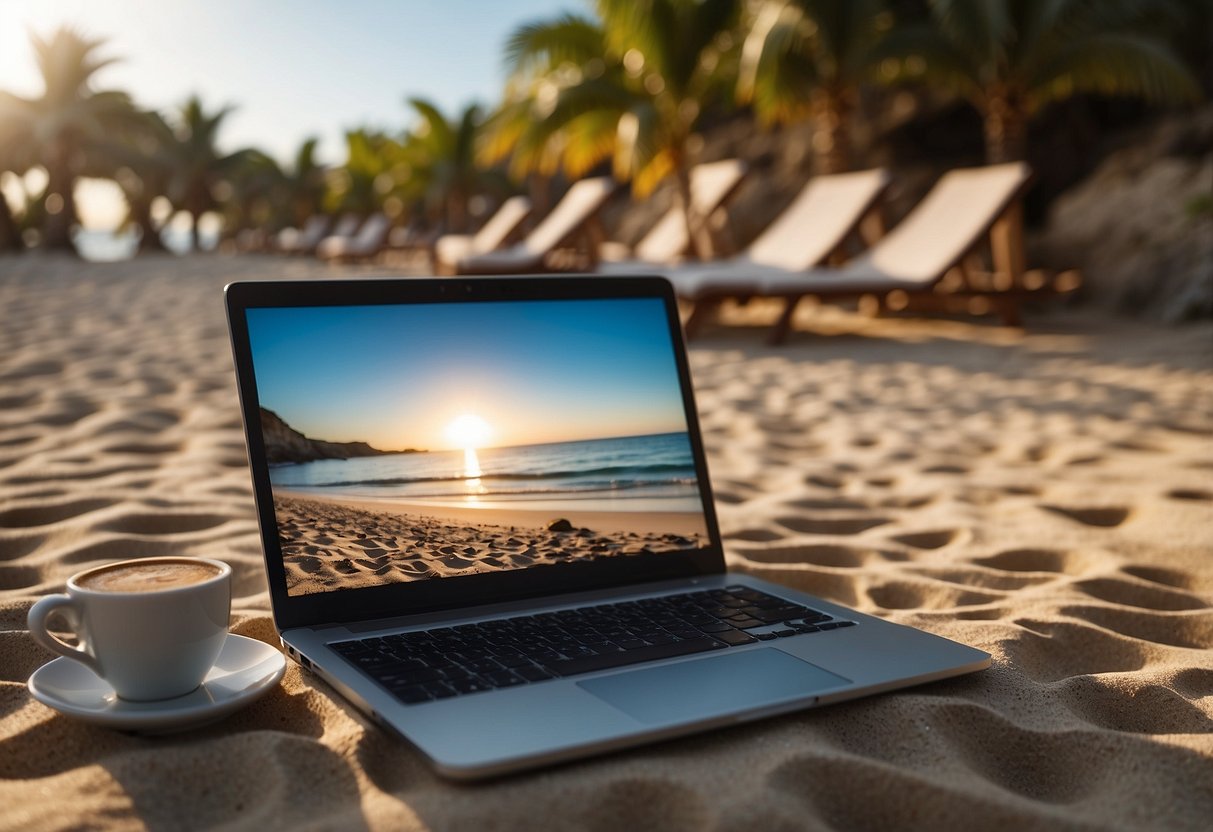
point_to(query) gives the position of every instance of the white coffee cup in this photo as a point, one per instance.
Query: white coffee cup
(152, 628)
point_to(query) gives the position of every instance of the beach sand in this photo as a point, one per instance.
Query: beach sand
(1046, 496)
(330, 544)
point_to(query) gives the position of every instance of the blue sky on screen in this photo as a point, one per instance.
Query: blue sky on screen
(399, 376)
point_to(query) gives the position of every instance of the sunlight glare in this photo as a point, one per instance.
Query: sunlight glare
(468, 431)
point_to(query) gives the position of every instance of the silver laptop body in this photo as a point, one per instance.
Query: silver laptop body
(488, 524)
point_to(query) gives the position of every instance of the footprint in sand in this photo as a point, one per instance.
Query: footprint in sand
(929, 540)
(837, 557)
(1140, 709)
(46, 514)
(755, 535)
(414, 567)
(827, 505)
(307, 563)
(1190, 494)
(1105, 517)
(902, 595)
(1029, 560)
(1178, 629)
(1093, 459)
(1131, 593)
(946, 469)
(824, 525)
(917, 501)
(825, 481)
(19, 576)
(1158, 575)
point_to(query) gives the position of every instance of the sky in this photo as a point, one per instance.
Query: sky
(534, 371)
(292, 69)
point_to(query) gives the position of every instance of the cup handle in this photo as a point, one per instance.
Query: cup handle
(42, 611)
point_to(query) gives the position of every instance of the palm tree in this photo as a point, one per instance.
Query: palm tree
(374, 165)
(632, 88)
(303, 185)
(807, 58)
(68, 119)
(442, 158)
(141, 161)
(249, 193)
(199, 167)
(1009, 59)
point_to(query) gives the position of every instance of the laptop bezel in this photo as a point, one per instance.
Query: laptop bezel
(441, 594)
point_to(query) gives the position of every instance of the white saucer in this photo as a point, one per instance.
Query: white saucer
(246, 669)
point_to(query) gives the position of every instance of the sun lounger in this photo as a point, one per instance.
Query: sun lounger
(568, 219)
(367, 243)
(305, 240)
(711, 185)
(929, 259)
(814, 226)
(449, 249)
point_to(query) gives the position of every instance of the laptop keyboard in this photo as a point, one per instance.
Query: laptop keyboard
(424, 665)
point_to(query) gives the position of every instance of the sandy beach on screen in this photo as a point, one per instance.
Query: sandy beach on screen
(330, 543)
(1045, 495)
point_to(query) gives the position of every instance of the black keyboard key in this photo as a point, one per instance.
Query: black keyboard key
(745, 623)
(606, 661)
(716, 627)
(412, 694)
(469, 685)
(439, 690)
(412, 677)
(784, 633)
(764, 636)
(503, 679)
(533, 674)
(736, 637)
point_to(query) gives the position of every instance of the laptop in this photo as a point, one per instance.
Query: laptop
(488, 523)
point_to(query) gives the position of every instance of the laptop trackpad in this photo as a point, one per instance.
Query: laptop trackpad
(703, 688)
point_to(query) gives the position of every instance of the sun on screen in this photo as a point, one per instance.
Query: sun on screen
(469, 432)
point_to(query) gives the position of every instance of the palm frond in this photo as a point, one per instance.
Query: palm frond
(924, 54)
(590, 140)
(1115, 63)
(979, 28)
(437, 130)
(594, 94)
(1067, 22)
(776, 70)
(545, 45)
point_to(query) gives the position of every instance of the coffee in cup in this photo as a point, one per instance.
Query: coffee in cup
(148, 576)
(151, 628)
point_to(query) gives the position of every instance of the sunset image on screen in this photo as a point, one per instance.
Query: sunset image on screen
(417, 442)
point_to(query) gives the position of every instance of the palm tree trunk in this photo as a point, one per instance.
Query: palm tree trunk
(10, 234)
(831, 141)
(60, 181)
(149, 235)
(697, 231)
(1005, 123)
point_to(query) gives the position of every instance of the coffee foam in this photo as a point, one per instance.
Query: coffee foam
(148, 577)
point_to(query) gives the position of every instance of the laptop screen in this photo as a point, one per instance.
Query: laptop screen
(424, 442)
